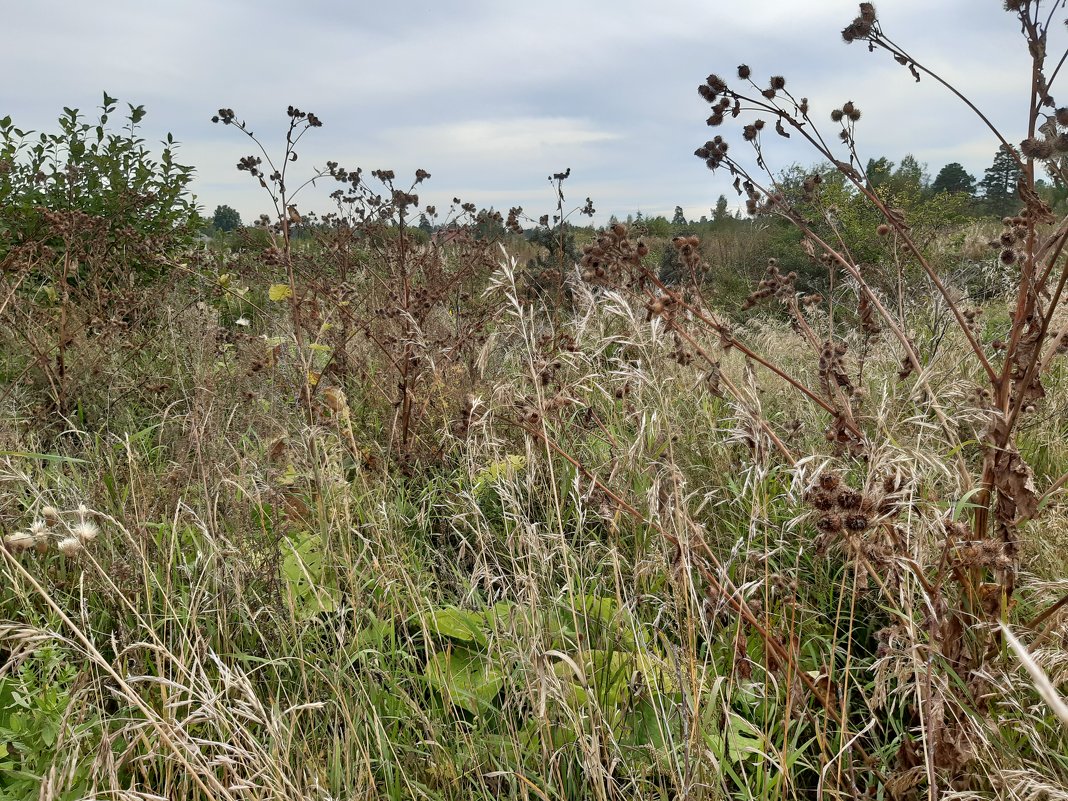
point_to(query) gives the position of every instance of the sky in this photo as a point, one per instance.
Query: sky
(493, 97)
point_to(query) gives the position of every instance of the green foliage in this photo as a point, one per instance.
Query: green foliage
(305, 570)
(721, 211)
(953, 179)
(658, 226)
(879, 171)
(840, 211)
(225, 219)
(559, 252)
(999, 184)
(109, 175)
(42, 728)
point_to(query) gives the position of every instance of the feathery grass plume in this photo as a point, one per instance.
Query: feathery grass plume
(1043, 685)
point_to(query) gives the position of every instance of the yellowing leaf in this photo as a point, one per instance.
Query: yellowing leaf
(279, 292)
(506, 468)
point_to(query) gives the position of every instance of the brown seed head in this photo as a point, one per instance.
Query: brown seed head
(829, 481)
(716, 84)
(823, 501)
(850, 499)
(856, 522)
(829, 524)
(1034, 148)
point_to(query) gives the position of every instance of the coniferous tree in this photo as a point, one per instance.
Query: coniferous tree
(999, 183)
(954, 179)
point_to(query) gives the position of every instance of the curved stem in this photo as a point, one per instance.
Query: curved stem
(888, 45)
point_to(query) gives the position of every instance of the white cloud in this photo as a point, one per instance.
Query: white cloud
(491, 96)
(528, 138)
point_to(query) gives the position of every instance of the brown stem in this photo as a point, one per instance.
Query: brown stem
(407, 358)
(720, 329)
(1041, 618)
(889, 46)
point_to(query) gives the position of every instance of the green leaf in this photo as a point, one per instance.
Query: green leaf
(464, 679)
(47, 457)
(304, 572)
(508, 467)
(457, 624)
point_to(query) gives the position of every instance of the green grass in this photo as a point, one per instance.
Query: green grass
(274, 609)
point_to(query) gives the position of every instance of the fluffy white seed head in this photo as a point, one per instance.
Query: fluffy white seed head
(85, 531)
(69, 546)
(19, 541)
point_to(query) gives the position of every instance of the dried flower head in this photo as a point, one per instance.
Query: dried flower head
(85, 531)
(823, 501)
(716, 84)
(69, 546)
(829, 481)
(19, 541)
(850, 499)
(856, 523)
(829, 524)
(1034, 148)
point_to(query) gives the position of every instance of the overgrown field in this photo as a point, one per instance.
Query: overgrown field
(335, 507)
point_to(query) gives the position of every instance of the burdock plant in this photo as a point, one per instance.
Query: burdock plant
(970, 584)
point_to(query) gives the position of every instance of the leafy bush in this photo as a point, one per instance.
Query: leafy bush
(104, 174)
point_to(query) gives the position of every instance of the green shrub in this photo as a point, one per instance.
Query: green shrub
(142, 203)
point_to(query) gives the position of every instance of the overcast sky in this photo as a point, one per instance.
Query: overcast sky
(492, 97)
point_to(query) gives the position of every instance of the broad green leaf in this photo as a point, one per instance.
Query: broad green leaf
(506, 468)
(304, 571)
(464, 678)
(457, 624)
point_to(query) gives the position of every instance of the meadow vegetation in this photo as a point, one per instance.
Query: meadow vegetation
(415, 503)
